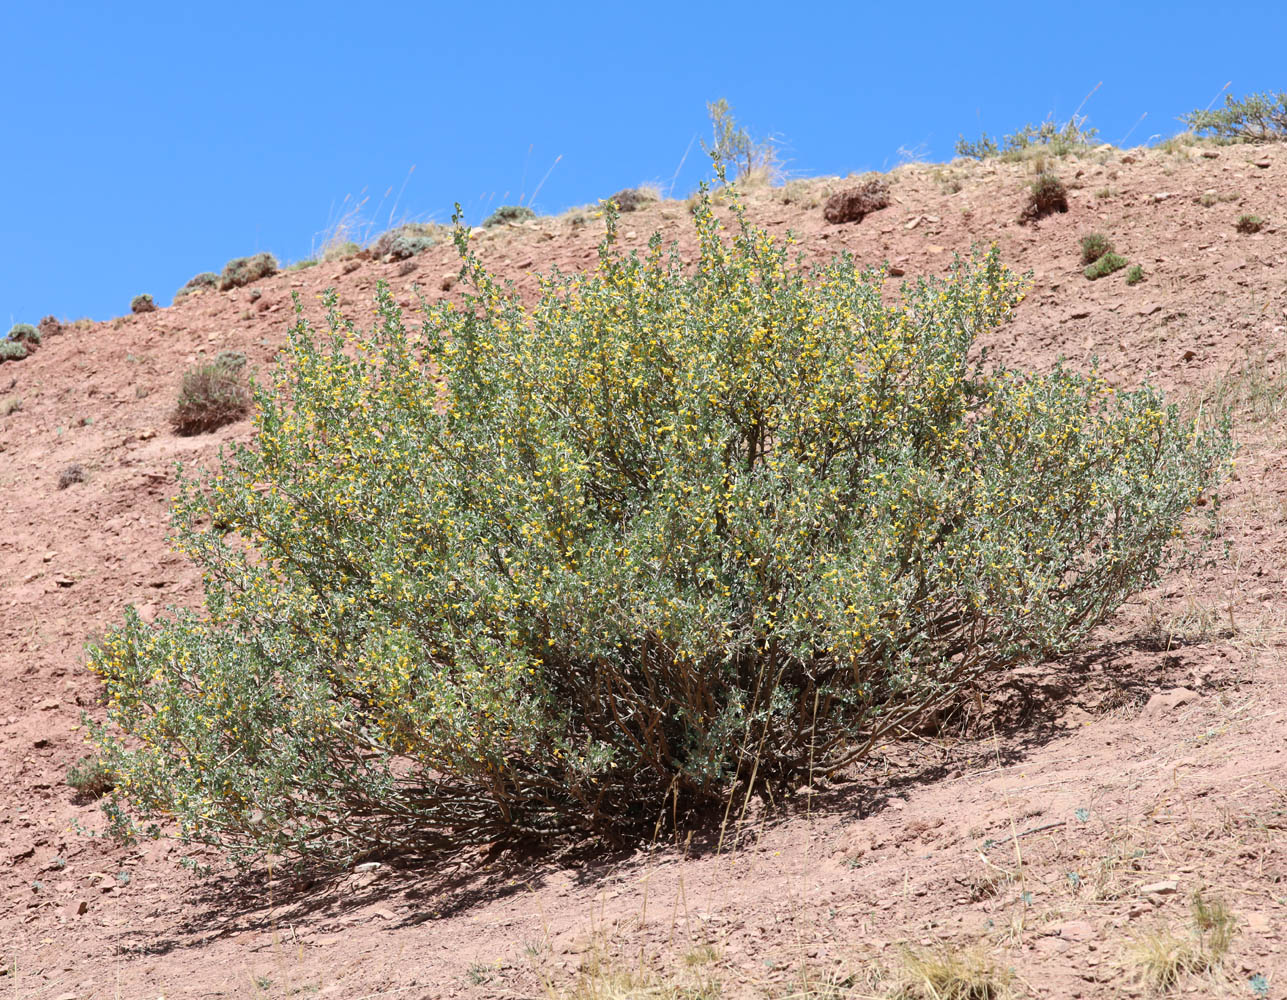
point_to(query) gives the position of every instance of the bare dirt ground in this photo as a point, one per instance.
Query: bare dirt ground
(1068, 814)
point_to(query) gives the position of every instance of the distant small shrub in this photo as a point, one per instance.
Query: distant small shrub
(1046, 195)
(413, 238)
(91, 777)
(142, 304)
(302, 265)
(1105, 265)
(1094, 246)
(340, 251)
(213, 395)
(49, 327)
(507, 215)
(744, 158)
(203, 282)
(244, 270)
(12, 350)
(633, 199)
(71, 475)
(25, 333)
(1048, 137)
(855, 203)
(1246, 224)
(1255, 118)
(1134, 274)
(1105, 193)
(982, 148)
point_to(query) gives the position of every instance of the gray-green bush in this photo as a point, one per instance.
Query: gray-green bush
(676, 532)
(1258, 117)
(243, 270)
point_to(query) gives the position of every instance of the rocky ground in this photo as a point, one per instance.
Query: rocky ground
(1051, 832)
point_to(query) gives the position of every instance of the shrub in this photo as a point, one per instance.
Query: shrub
(736, 155)
(509, 214)
(213, 395)
(142, 304)
(205, 281)
(49, 327)
(71, 475)
(1246, 225)
(244, 270)
(25, 333)
(633, 199)
(1254, 118)
(413, 238)
(675, 532)
(855, 203)
(340, 251)
(1134, 274)
(1094, 246)
(1048, 137)
(1105, 266)
(12, 350)
(91, 777)
(1046, 195)
(982, 148)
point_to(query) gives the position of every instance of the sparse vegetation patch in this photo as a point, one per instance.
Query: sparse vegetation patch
(205, 281)
(1094, 246)
(91, 777)
(508, 215)
(213, 394)
(409, 240)
(1046, 195)
(1105, 266)
(142, 304)
(1258, 117)
(243, 270)
(1248, 224)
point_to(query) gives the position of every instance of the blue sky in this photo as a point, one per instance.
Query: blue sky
(148, 141)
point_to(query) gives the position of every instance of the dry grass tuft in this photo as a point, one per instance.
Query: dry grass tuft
(1161, 958)
(949, 972)
(213, 395)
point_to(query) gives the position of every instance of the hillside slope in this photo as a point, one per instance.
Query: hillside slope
(1133, 801)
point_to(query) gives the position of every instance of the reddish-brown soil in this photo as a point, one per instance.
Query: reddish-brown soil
(1124, 805)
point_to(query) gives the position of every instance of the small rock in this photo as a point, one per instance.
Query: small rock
(1149, 309)
(1263, 163)
(47, 705)
(1188, 356)
(895, 271)
(1076, 930)
(82, 907)
(367, 866)
(1210, 154)
(914, 223)
(1163, 888)
(1166, 701)
(1162, 196)
(448, 281)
